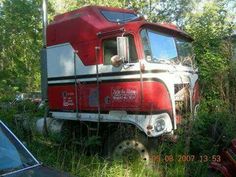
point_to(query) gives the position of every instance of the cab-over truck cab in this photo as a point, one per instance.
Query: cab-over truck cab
(111, 67)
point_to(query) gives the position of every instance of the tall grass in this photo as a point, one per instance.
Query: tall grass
(70, 157)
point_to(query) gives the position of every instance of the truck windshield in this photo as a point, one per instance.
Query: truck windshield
(184, 48)
(13, 156)
(162, 48)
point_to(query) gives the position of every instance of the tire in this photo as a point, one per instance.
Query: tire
(128, 145)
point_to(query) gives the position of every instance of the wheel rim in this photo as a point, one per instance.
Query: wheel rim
(131, 150)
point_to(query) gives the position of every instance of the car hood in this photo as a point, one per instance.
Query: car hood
(39, 171)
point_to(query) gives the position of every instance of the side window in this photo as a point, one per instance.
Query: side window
(110, 49)
(132, 50)
(146, 44)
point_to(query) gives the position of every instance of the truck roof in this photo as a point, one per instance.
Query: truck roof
(82, 24)
(91, 10)
(84, 27)
(98, 19)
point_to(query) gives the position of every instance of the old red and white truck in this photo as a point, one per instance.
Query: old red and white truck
(116, 74)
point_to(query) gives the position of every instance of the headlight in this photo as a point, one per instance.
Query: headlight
(160, 125)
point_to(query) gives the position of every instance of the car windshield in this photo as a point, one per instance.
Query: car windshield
(13, 155)
(162, 48)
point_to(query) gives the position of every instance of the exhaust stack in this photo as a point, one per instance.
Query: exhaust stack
(44, 52)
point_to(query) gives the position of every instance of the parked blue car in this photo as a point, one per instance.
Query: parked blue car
(17, 161)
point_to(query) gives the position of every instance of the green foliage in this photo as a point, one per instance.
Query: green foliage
(62, 6)
(20, 44)
(209, 29)
(215, 126)
(232, 86)
(156, 10)
(163, 10)
(71, 159)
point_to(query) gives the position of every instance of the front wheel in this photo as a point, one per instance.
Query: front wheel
(129, 144)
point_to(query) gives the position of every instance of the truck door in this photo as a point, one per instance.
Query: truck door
(119, 86)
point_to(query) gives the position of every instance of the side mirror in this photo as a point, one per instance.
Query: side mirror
(123, 48)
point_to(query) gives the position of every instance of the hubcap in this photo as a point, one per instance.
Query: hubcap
(131, 150)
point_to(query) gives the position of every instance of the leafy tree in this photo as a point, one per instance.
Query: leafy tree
(209, 28)
(21, 37)
(164, 10)
(20, 43)
(155, 10)
(61, 6)
(232, 86)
